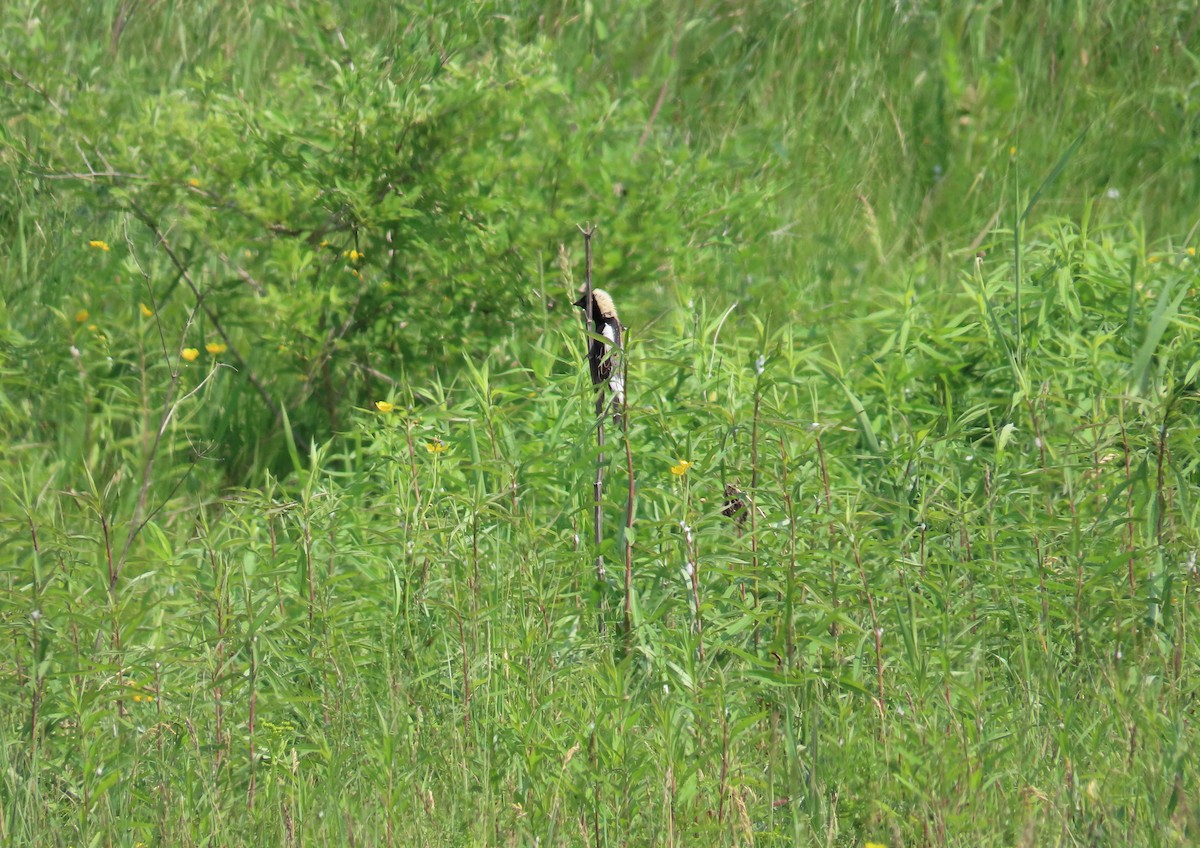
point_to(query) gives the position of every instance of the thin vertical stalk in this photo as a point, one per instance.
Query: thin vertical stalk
(253, 651)
(462, 641)
(789, 633)
(834, 628)
(692, 557)
(1160, 498)
(35, 698)
(629, 500)
(219, 587)
(753, 494)
(1018, 219)
(877, 630)
(598, 484)
(1129, 522)
(308, 566)
(723, 787)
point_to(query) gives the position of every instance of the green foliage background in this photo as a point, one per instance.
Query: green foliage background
(918, 278)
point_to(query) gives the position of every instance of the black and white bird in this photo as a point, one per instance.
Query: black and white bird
(604, 357)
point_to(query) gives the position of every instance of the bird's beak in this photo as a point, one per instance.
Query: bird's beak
(582, 302)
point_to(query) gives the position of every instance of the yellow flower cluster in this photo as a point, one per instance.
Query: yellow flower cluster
(191, 354)
(681, 468)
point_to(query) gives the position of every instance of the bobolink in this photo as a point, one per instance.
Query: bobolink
(735, 506)
(603, 356)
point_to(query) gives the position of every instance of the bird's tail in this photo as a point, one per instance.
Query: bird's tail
(617, 385)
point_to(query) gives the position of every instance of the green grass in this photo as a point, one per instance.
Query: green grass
(919, 281)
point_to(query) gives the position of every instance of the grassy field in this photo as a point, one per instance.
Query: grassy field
(297, 442)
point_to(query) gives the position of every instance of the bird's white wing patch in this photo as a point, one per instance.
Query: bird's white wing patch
(616, 382)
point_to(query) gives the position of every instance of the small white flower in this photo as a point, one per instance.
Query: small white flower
(1112, 194)
(760, 365)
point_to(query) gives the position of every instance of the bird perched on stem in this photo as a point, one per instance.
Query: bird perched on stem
(603, 356)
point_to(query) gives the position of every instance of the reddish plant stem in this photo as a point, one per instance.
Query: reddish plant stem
(876, 629)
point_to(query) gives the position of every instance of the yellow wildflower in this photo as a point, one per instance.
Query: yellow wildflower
(190, 354)
(147, 312)
(681, 467)
(216, 348)
(194, 183)
(82, 315)
(353, 255)
(1012, 151)
(384, 406)
(874, 845)
(98, 244)
(436, 445)
(1191, 251)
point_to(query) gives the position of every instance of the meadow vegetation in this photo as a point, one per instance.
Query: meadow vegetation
(296, 437)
